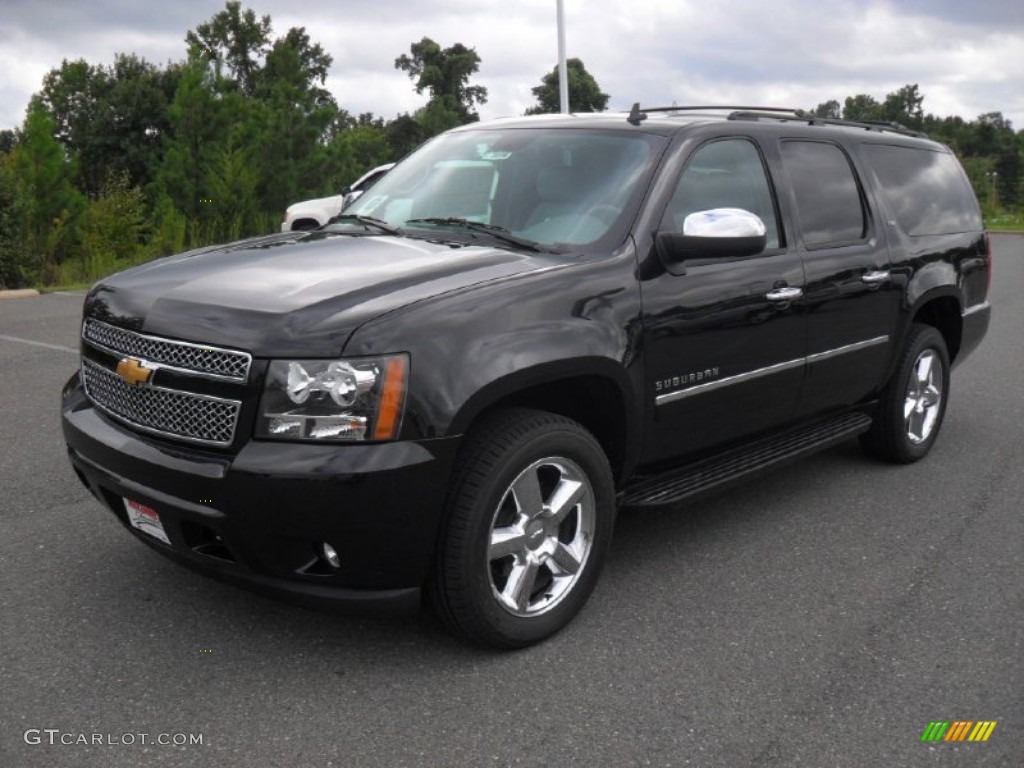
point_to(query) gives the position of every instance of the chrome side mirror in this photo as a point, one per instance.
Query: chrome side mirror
(715, 233)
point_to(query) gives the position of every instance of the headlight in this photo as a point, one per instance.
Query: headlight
(356, 399)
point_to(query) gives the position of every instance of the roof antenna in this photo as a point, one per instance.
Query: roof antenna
(635, 115)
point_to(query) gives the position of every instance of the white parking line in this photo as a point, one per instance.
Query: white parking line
(68, 293)
(58, 347)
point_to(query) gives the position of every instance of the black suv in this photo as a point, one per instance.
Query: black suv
(527, 325)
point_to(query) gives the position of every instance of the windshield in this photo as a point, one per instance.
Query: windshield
(558, 188)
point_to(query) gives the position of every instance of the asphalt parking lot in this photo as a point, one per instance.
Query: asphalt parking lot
(821, 616)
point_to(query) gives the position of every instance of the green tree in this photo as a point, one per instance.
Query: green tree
(200, 119)
(232, 186)
(170, 228)
(992, 134)
(75, 96)
(301, 65)
(903, 106)
(295, 116)
(437, 117)
(828, 109)
(356, 149)
(285, 114)
(404, 134)
(445, 74)
(8, 141)
(14, 262)
(861, 107)
(236, 39)
(45, 173)
(990, 144)
(140, 98)
(979, 170)
(585, 94)
(113, 227)
(111, 118)
(951, 130)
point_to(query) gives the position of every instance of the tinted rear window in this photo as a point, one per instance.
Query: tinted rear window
(926, 191)
(827, 194)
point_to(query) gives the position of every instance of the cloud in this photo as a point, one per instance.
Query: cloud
(965, 57)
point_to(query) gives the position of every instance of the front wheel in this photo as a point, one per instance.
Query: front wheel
(914, 402)
(529, 523)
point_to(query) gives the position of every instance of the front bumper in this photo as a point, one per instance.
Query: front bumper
(259, 517)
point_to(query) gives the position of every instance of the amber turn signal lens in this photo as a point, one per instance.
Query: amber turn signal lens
(392, 397)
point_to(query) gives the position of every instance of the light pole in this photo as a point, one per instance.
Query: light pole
(992, 176)
(563, 70)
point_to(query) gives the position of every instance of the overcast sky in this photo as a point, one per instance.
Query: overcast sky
(967, 56)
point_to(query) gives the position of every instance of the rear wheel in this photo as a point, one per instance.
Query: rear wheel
(913, 404)
(529, 523)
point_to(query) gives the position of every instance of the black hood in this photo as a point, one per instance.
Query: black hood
(294, 294)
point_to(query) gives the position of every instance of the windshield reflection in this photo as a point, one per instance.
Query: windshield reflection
(561, 188)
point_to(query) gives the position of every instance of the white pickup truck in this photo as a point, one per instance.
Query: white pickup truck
(311, 214)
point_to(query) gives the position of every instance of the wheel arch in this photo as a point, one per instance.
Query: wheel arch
(594, 392)
(941, 309)
(305, 223)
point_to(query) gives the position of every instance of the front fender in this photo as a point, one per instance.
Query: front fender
(544, 373)
(473, 348)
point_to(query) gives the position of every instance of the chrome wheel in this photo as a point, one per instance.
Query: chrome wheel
(541, 536)
(909, 414)
(923, 401)
(528, 528)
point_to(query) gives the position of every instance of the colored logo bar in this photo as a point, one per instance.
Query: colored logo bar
(958, 730)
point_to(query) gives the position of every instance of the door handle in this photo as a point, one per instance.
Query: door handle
(784, 294)
(875, 278)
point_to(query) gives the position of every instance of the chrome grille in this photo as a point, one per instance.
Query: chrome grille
(182, 415)
(210, 362)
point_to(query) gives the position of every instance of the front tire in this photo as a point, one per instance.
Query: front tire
(914, 402)
(529, 524)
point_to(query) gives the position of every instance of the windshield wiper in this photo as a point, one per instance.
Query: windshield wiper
(494, 230)
(369, 221)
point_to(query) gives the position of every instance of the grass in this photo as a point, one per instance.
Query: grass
(1005, 222)
(63, 287)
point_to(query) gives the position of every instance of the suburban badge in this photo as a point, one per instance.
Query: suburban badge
(672, 382)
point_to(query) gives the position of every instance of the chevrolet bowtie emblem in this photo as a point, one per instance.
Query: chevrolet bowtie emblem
(134, 371)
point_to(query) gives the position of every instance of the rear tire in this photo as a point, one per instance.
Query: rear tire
(528, 527)
(913, 404)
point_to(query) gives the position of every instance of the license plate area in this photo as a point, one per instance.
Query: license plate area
(145, 519)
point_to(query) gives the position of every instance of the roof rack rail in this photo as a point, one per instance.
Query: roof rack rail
(892, 125)
(812, 119)
(637, 115)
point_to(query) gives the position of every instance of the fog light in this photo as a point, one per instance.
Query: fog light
(331, 556)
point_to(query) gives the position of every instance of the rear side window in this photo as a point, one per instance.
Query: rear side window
(828, 199)
(926, 191)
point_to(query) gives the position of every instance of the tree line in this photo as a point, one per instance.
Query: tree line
(115, 164)
(118, 163)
